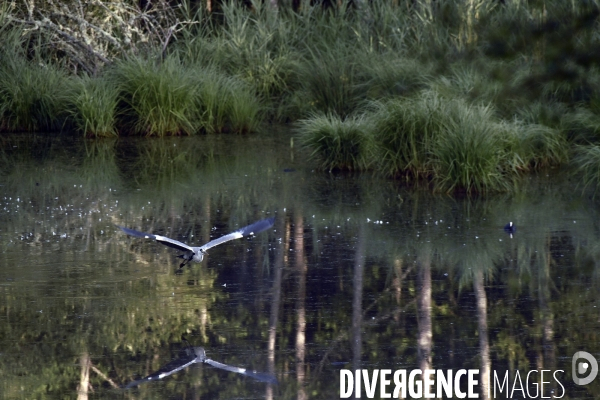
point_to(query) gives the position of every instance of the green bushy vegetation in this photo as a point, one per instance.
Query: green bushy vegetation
(587, 162)
(94, 107)
(405, 129)
(329, 83)
(34, 96)
(450, 142)
(224, 103)
(338, 143)
(33, 92)
(160, 98)
(464, 95)
(157, 95)
(456, 144)
(467, 153)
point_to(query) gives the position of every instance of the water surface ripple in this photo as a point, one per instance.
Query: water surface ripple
(357, 272)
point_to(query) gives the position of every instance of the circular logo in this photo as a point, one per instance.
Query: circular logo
(581, 368)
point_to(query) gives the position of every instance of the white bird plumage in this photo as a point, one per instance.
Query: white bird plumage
(196, 254)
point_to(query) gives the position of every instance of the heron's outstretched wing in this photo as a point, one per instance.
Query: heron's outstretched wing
(161, 239)
(259, 376)
(176, 365)
(252, 229)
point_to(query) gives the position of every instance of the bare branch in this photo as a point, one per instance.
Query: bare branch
(95, 32)
(46, 23)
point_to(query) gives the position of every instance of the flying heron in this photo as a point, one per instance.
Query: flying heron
(197, 355)
(196, 254)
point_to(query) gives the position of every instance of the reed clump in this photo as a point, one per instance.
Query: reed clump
(586, 161)
(33, 95)
(454, 144)
(328, 83)
(173, 98)
(404, 129)
(94, 107)
(223, 103)
(338, 143)
(256, 46)
(157, 96)
(467, 152)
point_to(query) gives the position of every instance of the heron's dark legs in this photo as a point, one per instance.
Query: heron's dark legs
(185, 260)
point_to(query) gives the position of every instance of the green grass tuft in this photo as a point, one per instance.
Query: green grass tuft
(456, 144)
(587, 162)
(389, 75)
(467, 153)
(338, 143)
(158, 96)
(224, 103)
(33, 96)
(329, 82)
(404, 129)
(95, 106)
(245, 112)
(543, 146)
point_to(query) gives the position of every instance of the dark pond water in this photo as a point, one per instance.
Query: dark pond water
(356, 273)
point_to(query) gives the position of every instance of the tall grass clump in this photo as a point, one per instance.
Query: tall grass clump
(586, 160)
(539, 136)
(467, 153)
(581, 125)
(157, 96)
(245, 111)
(224, 103)
(456, 145)
(548, 113)
(389, 75)
(211, 100)
(256, 44)
(404, 130)
(329, 82)
(33, 94)
(476, 83)
(540, 146)
(338, 143)
(95, 106)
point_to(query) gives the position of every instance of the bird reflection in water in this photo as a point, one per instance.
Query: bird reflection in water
(197, 355)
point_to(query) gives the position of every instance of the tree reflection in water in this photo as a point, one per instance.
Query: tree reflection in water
(439, 281)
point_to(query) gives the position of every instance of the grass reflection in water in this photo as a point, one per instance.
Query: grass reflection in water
(356, 272)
